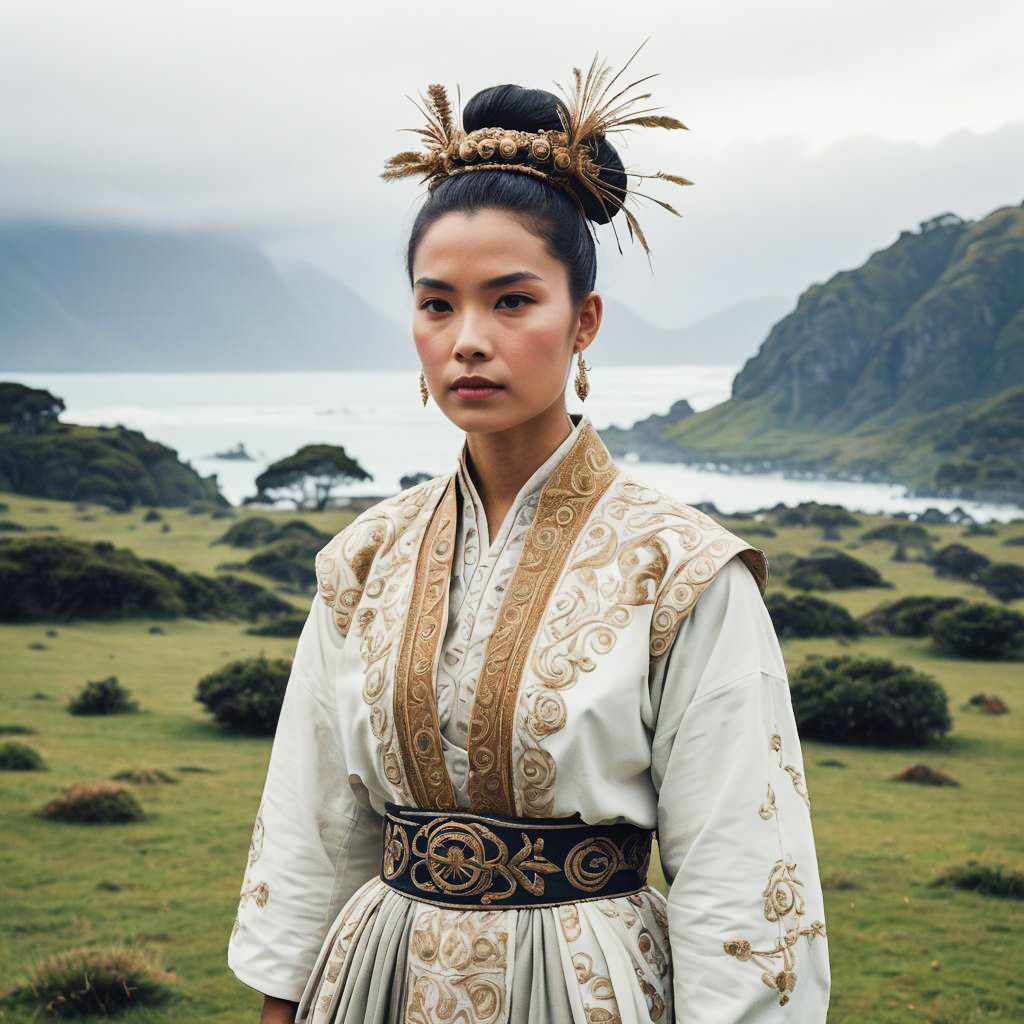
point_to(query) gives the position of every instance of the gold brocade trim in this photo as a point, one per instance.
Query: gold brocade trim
(363, 576)
(566, 501)
(415, 707)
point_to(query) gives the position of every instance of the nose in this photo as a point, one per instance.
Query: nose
(472, 341)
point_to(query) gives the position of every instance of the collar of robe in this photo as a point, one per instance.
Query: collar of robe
(387, 578)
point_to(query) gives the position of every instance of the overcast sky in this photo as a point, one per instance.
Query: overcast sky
(817, 130)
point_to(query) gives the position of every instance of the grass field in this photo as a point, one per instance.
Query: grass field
(899, 949)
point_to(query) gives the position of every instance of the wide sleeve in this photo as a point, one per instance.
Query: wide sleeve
(745, 907)
(315, 839)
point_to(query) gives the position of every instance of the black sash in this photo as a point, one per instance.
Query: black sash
(486, 862)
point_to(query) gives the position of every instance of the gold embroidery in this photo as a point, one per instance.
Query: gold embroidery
(362, 574)
(582, 625)
(795, 776)
(415, 707)
(781, 900)
(396, 851)
(457, 965)
(693, 576)
(259, 893)
(566, 501)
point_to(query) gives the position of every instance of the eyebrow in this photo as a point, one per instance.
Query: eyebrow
(494, 282)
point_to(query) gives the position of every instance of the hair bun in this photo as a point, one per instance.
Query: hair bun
(531, 110)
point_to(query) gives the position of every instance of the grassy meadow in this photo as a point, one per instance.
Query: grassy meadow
(899, 949)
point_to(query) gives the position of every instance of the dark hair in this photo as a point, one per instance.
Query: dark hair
(546, 209)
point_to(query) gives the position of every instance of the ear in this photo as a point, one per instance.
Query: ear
(588, 321)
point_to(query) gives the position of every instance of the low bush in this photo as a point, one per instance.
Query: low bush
(990, 879)
(16, 730)
(848, 699)
(246, 694)
(100, 803)
(978, 630)
(20, 757)
(144, 776)
(833, 570)
(909, 616)
(92, 981)
(286, 626)
(959, 561)
(1003, 580)
(924, 775)
(103, 697)
(805, 615)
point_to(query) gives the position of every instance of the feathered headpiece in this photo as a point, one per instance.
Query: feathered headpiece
(565, 158)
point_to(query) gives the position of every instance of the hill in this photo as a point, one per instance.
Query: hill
(909, 368)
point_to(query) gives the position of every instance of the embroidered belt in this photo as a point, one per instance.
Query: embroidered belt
(462, 859)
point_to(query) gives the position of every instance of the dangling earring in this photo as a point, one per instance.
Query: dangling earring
(582, 384)
(424, 393)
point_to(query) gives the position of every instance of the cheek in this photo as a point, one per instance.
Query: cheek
(535, 353)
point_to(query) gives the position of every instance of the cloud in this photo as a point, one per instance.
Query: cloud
(815, 136)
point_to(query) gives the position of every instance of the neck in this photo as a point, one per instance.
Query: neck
(502, 461)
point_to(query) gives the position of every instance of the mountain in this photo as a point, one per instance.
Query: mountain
(908, 368)
(81, 298)
(77, 298)
(731, 335)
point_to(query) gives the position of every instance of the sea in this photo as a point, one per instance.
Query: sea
(379, 419)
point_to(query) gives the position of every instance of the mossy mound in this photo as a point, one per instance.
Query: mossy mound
(97, 981)
(99, 803)
(20, 757)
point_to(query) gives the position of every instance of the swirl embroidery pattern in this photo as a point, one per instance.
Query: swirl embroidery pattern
(783, 901)
(363, 574)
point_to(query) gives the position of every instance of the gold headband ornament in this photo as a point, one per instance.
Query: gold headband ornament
(564, 158)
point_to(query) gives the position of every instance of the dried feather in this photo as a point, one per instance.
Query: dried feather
(442, 108)
(655, 122)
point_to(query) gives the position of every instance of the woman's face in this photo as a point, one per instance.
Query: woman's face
(490, 301)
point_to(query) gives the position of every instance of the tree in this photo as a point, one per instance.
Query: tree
(309, 476)
(28, 410)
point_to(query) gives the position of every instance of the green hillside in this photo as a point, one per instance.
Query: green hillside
(908, 368)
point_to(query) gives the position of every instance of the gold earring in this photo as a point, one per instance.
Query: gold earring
(424, 393)
(582, 384)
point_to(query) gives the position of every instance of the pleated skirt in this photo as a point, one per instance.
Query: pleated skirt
(390, 959)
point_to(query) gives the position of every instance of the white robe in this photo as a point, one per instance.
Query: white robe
(706, 751)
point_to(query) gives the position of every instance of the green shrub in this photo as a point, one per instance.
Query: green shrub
(806, 615)
(101, 980)
(990, 879)
(831, 569)
(100, 803)
(846, 699)
(1003, 580)
(20, 757)
(287, 626)
(959, 561)
(103, 697)
(61, 578)
(247, 694)
(979, 630)
(909, 616)
(16, 730)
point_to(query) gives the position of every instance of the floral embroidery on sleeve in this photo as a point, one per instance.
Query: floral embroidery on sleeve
(259, 892)
(783, 901)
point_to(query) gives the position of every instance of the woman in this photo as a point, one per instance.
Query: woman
(514, 673)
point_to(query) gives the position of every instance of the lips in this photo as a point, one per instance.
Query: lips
(473, 382)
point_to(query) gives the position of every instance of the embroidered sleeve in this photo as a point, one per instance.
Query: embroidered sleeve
(314, 840)
(746, 912)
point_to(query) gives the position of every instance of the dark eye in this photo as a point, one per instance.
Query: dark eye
(429, 301)
(519, 300)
